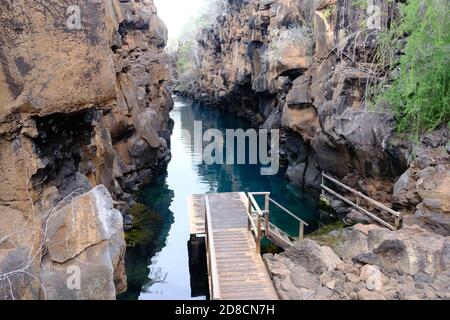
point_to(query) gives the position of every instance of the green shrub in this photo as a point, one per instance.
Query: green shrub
(419, 93)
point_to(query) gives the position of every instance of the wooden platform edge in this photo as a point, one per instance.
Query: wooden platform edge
(197, 226)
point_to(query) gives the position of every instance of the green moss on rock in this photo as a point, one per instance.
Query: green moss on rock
(145, 225)
(324, 203)
(326, 236)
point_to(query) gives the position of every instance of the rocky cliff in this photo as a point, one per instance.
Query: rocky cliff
(83, 120)
(304, 67)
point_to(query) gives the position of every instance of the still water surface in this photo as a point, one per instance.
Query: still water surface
(160, 270)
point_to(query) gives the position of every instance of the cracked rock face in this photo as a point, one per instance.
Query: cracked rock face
(86, 233)
(424, 189)
(85, 221)
(302, 61)
(314, 91)
(84, 119)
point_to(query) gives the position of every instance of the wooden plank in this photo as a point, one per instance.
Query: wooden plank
(196, 209)
(214, 274)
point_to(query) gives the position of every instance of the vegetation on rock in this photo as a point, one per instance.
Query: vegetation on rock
(419, 92)
(187, 65)
(146, 224)
(325, 235)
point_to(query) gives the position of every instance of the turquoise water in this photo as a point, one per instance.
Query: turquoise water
(160, 270)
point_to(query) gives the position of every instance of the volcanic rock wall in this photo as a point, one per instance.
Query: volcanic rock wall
(304, 67)
(84, 114)
(312, 87)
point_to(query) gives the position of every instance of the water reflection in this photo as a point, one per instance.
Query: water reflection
(160, 270)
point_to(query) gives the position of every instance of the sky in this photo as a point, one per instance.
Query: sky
(177, 13)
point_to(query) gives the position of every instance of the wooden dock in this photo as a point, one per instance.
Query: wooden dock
(235, 267)
(233, 224)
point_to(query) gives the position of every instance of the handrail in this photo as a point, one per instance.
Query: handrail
(257, 228)
(266, 214)
(215, 289)
(362, 195)
(398, 215)
(359, 208)
(250, 219)
(255, 204)
(288, 212)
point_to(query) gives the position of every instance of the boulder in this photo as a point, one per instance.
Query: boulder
(356, 217)
(408, 251)
(312, 257)
(304, 279)
(85, 221)
(434, 221)
(372, 277)
(86, 235)
(100, 269)
(365, 294)
(19, 284)
(424, 191)
(352, 242)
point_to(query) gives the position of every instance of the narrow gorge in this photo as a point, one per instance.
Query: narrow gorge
(97, 108)
(306, 68)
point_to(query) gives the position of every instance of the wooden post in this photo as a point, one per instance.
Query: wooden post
(323, 183)
(249, 210)
(267, 212)
(258, 235)
(301, 234)
(399, 220)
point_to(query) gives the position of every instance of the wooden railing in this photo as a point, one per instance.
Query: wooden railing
(263, 217)
(360, 196)
(210, 248)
